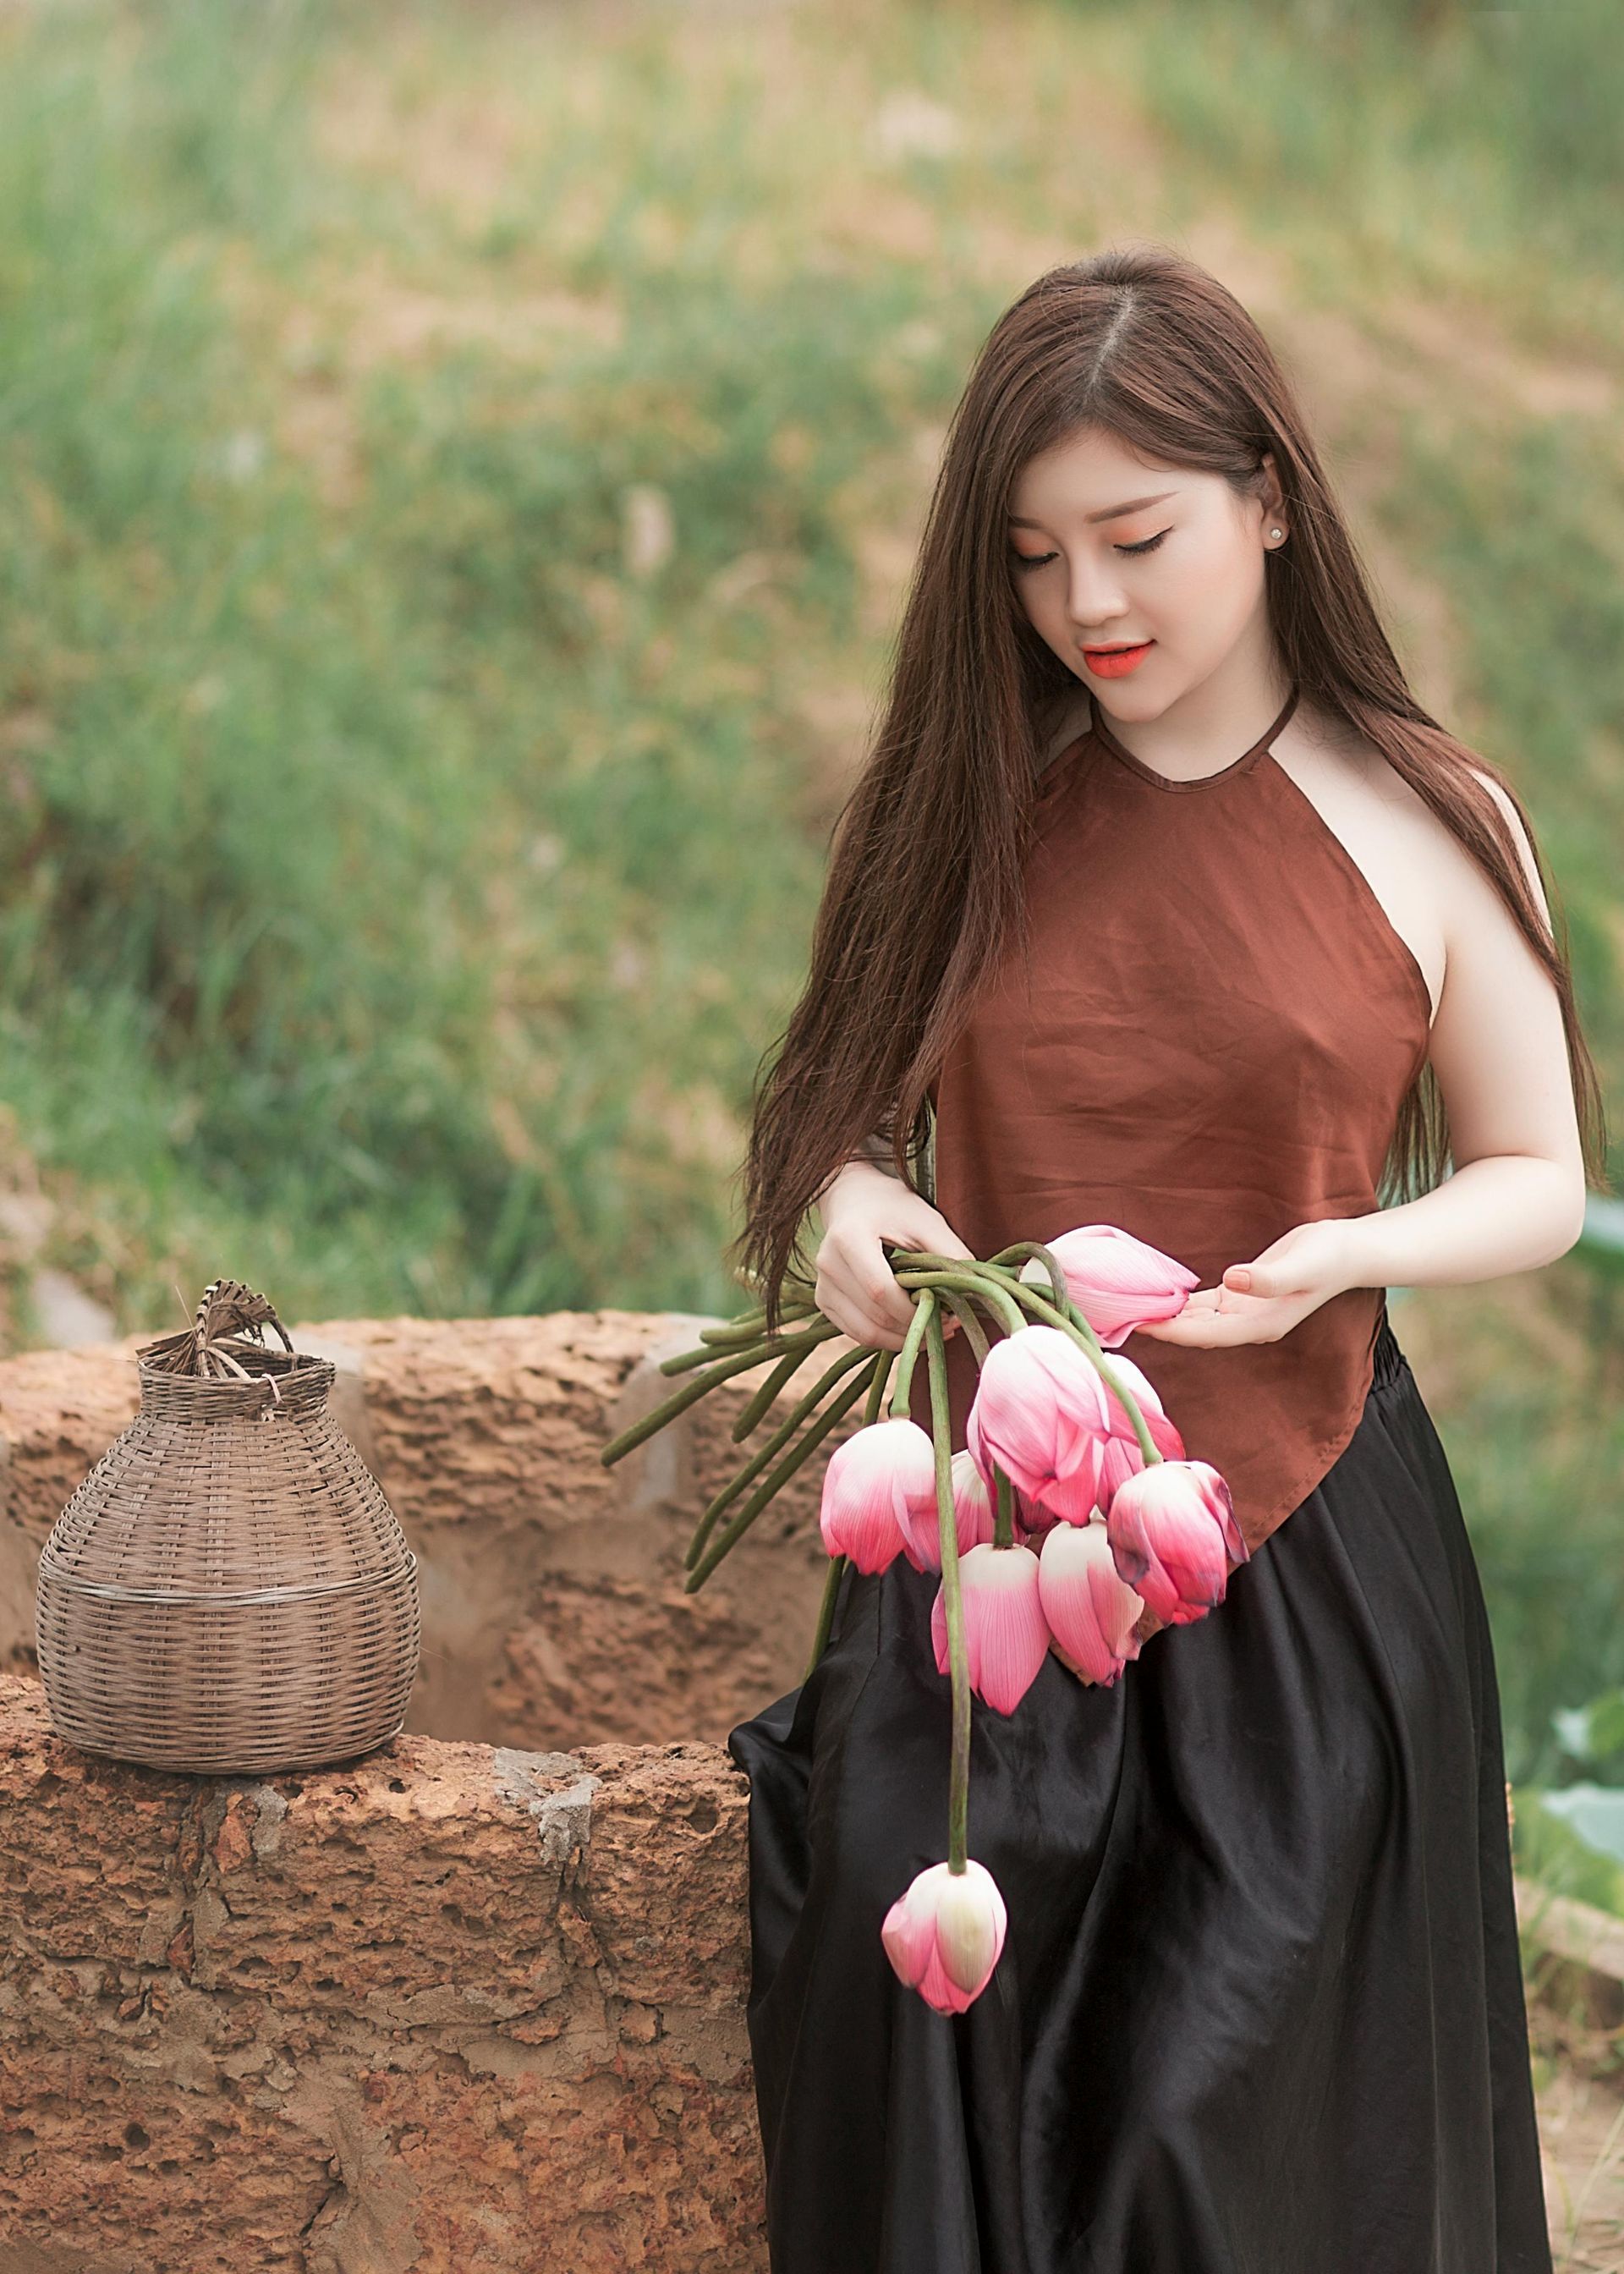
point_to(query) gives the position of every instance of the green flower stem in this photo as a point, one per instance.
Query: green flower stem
(1072, 1323)
(997, 1293)
(779, 1438)
(965, 1314)
(720, 1340)
(965, 1303)
(750, 1326)
(1003, 1517)
(941, 1436)
(826, 1613)
(908, 1358)
(764, 1346)
(985, 1274)
(911, 1259)
(689, 1394)
(743, 1326)
(876, 1406)
(790, 1363)
(1058, 1288)
(922, 1257)
(778, 1478)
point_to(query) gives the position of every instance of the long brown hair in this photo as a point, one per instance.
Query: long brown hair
(924, 891)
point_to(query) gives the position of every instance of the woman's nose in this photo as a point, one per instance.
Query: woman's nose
(1094, 597)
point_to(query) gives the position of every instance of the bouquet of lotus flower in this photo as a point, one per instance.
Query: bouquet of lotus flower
(1071, 1509)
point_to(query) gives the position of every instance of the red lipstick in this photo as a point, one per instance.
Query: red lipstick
(1115, 662)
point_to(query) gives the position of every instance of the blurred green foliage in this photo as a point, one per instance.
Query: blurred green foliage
(1507, 117)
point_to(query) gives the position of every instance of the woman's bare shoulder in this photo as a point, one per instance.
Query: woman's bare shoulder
(1347, 774)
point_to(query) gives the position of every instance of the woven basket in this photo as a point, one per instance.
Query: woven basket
(227, 1592)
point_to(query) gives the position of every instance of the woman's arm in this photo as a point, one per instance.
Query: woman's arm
(873, 1153)
(1515, 1199)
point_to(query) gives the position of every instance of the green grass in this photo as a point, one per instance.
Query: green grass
(408, 856)
(1538, 1462)
(1527, 536)
(1469, 150)
(409, 869)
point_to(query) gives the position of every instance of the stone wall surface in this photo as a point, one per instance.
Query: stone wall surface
(553, 1609)
(452, 2008)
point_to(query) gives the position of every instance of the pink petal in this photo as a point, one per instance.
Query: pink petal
(1122, 1456)
(909, 1936)
(1040, 1414)
(1089, 1608)
(1219, 1500)
(1033, 1517)
(1006, 1636)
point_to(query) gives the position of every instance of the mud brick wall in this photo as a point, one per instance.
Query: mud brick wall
(453, 2008)
(474, 2004)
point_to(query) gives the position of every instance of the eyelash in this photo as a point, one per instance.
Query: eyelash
(1039, 560)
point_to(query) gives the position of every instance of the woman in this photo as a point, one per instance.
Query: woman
(1162, 903)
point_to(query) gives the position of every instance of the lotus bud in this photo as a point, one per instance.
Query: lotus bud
(945, 1933)
(1116, 1281)
(1173, 1533)
(877, 1481)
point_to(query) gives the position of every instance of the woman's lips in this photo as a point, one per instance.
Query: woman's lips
(1115, 662)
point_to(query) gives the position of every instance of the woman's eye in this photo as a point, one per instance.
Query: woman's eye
(1039, 560)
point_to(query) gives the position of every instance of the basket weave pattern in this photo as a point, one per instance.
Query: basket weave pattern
(228, 1591)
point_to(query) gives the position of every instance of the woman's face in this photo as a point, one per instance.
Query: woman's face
(1177, 575)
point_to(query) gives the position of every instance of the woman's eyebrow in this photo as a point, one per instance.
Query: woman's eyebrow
(1111, 512)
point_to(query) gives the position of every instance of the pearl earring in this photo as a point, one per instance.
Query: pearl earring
(1276, 532)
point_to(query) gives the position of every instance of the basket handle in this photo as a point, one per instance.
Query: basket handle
(228, 1307)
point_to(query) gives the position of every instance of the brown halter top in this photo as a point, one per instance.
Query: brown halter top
(1210, 1046)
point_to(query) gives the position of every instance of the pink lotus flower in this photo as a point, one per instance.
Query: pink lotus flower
(974, 1517)
(1173, 1533)
(943, 1934)
(1116, 1281)
(879, 1481)
(1040, 1412)
(1006, 1638)
(1090, 1609)
(1121, 1455)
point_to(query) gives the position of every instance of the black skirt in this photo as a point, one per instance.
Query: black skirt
(1261, 2008)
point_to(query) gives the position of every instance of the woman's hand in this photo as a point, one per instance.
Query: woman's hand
(855, 1284)
(1259, 1301)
